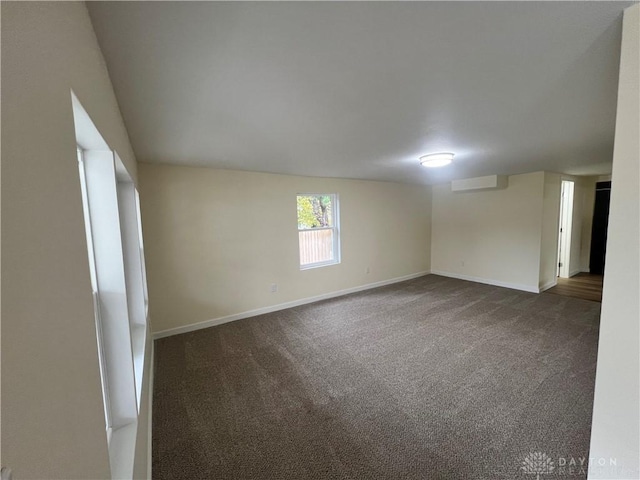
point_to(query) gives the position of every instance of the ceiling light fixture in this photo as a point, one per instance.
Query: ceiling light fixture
(436, 159)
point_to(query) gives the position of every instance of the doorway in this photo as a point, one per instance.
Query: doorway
(599, 228)
(564, 229)
(586, 285)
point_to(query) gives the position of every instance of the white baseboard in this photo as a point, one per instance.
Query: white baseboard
(548, 285)
(487, 281)
(574, 272)
(274, 308)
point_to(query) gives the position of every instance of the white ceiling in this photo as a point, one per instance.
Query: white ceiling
(361, 90)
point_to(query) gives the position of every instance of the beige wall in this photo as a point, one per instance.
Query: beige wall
(490, 236)
(549, 234)
(509, 237)
(616, 424)
(52, 413)
(217, 239)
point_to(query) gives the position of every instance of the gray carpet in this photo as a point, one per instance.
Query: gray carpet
(432, 378)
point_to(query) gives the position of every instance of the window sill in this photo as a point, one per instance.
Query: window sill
(318, 265)
(122, 451)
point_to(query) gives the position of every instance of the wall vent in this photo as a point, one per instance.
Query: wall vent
(490, 182)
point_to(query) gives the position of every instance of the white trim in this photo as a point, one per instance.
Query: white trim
(274, 308)
(487, 281)
(87, 135)
(548, 285)
(317, 228)
(565, 225)
(109, 201)
(575, 272)
(122, 450)
(309, 266)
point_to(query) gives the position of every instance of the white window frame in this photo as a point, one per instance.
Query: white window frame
(104, 377)
(335, 215)
(118, 282)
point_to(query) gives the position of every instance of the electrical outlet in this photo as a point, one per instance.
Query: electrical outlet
(367, 270)
(274, 287)
(462, 263)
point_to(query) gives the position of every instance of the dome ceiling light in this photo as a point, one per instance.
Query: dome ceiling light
(436, 159)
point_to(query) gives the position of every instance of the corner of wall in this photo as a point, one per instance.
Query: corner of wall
(616, 417)
(429, 225)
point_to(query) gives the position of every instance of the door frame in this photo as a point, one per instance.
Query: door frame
(564, 228)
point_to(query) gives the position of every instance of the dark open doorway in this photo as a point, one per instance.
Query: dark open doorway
(599, 228)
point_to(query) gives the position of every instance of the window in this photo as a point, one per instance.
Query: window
(318, 230)
(94, 287)
(111, 218)
(118, 281)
